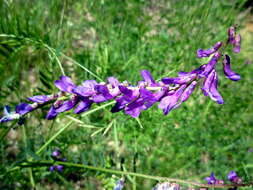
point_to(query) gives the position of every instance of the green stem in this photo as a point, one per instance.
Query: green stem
(158, 178)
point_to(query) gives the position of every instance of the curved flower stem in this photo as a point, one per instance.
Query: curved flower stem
(158, 178)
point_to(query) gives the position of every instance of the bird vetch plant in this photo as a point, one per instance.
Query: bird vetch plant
(169, 93)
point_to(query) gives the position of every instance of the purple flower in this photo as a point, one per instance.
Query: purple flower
(210, 87)
(231, 34)
(84, 105)
(237, 43)
(8, 115)
(147, 77)
(119, 184)
(58, 168)
(102, 94)
(51, 113)
(23, 108)
(206, 53)
(65, 84)
(67, 105)
(212, 180)
(40, 98)
(145, 100)
(232, 176)
(188, 91)
(182, 79)
(127, 97)
(171, 101)
(211, 65)
(56, 153)
(51, 168)
(86, 89)
(213, 93)
(234, 39)
(227, 70)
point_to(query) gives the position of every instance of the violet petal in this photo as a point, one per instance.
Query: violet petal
(23, 108)
(237, 43)
(147, 77)
(86, 89)
(188, 91)
(51, 113)
(227, 70)
(65, 84)
(40, 98)
(83, 106)
(214, 94)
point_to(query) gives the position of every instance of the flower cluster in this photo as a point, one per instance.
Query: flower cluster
(56, 156)
(169, 93)
(232, 177)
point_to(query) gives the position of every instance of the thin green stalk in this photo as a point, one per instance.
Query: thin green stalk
(53, 137)
(53, 52)
(29, 169)
(158, 178)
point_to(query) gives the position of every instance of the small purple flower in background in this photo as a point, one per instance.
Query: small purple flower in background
(213, 181)
(119, 184)
(58, 168)
(232, 176)
(56, 155)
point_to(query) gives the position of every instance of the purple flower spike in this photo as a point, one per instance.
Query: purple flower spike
(227, 70)
(65, 84)
(171, 102)
(23, 108)
(206, 53)
(232, 176)
(40, 98)
(237, 43)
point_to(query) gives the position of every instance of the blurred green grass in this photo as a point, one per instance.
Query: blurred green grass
(119, 38)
